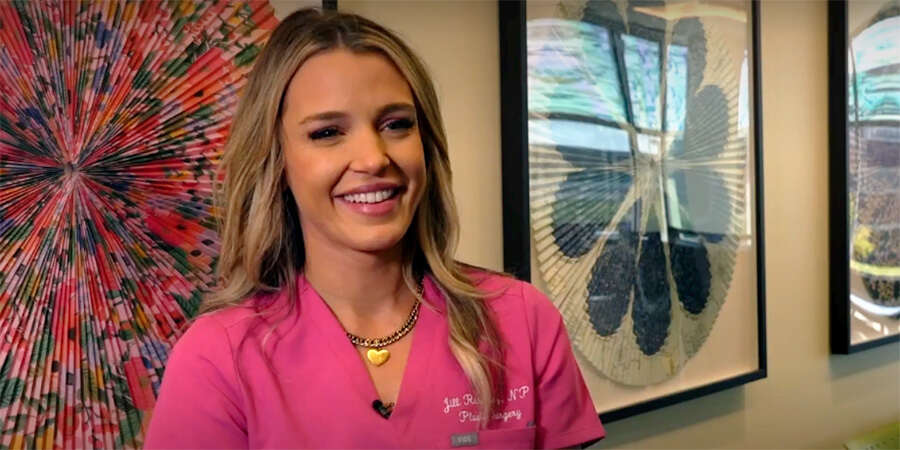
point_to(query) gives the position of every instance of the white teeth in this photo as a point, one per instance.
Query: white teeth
(369, 197)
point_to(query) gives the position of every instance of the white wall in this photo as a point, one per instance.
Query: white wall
(810, 399)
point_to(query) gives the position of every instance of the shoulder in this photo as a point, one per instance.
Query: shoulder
(207, 336)
(213, 325)
(217, 332)
(504, 294)
(532, 326)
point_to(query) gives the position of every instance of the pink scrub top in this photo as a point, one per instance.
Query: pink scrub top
(314, 391)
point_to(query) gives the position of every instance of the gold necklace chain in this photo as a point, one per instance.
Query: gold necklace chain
(395, 336)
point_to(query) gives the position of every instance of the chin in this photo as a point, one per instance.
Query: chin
(377, 242)
(376, 246)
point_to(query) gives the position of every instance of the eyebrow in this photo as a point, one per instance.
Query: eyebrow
(331, 115)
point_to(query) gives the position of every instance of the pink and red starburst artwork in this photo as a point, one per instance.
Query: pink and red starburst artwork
(113, 115)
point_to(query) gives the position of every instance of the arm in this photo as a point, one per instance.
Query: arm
(199, 404)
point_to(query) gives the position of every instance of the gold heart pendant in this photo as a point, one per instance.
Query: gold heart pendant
(378, 357)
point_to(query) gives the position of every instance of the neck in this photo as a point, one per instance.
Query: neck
(359, 286)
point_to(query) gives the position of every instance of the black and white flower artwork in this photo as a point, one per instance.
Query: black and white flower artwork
(640, 157)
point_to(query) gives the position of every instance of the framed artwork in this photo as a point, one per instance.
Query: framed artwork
(285, 7)
(632, 189)
(864, 173)
(113, 115)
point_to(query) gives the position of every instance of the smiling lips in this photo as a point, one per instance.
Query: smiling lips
(372, 201)
(370, 197)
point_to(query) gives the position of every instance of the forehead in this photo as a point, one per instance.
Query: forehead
(344, 80)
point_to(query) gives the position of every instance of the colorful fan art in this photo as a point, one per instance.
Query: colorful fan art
(873, 184)
(640, 167)
(112, 119)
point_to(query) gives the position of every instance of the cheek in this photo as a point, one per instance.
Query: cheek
(291, 174)
(413, 164)
(416, 172)
(310, 179)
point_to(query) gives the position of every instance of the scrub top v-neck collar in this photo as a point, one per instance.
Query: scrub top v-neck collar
(418, 363)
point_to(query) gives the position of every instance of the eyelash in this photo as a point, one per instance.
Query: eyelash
(332, 131)
(324, 133)
(405, 124)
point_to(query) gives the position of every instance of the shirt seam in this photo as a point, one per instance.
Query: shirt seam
(530, 325)
(241, 406)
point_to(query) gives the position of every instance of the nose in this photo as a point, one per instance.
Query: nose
(369, 153)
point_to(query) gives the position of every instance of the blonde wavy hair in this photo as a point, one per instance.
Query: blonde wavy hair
(261, 239)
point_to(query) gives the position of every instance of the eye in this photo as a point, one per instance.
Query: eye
(324, 133)
(400, 124)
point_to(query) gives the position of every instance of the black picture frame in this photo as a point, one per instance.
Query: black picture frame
(838, 186)
(515, 188)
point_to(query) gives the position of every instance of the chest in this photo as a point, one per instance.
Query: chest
(324, 399)
(387, 377)
(436, 408)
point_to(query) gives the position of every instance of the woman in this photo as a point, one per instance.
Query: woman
(343, 319)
